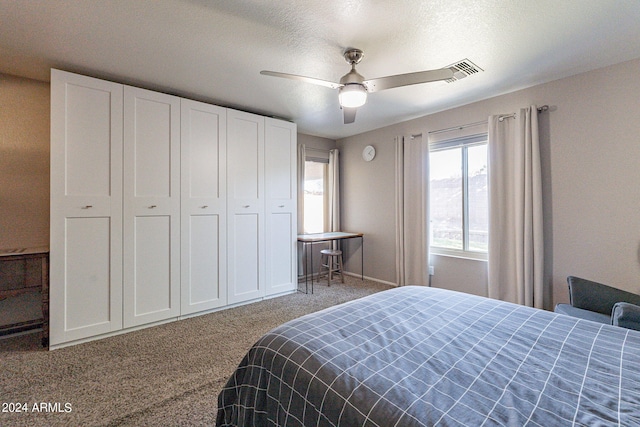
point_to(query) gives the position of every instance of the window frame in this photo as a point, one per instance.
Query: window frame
(325, 190)
(463, 142)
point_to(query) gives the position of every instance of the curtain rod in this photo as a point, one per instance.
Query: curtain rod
(320, 150)
(468, 125)
(540, 110)
(509, 116)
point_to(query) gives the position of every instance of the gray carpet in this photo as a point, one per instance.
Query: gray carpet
(168, 375)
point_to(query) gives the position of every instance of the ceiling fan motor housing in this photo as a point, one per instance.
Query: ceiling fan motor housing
(352, 77)
(353, 92)
(353, 56)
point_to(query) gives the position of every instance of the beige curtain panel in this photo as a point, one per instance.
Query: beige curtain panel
(515, 209)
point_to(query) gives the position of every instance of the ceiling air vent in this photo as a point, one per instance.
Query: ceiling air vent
(463, 69)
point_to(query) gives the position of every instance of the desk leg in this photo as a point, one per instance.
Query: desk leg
(300, 246)
(305, 263)
(45, 300)
(362, 257)
(311, 267)
(306, 268)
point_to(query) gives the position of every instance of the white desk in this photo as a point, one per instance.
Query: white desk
(310, 239)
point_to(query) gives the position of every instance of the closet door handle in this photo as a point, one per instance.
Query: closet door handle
(87, 207)
(246, 206)
(153, 206)
(205, 207)
(281, 206)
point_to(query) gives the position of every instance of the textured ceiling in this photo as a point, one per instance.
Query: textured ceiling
(214, 50)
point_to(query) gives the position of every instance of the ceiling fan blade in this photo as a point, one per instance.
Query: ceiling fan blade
(349, 115)
(375, 85)
(311, 80)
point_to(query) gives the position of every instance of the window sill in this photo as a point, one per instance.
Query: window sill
(452, 253)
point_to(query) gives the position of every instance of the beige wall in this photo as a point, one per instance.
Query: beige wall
(316, 142)
(591, 161)
(591, 166)
(24, 162)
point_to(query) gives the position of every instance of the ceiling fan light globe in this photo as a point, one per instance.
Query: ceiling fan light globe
(352, 96)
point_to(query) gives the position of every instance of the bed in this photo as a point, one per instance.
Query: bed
(418, 356)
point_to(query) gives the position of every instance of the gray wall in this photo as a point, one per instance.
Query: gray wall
(316, 142)
(591, 165)
(24, 162)
(591, 162)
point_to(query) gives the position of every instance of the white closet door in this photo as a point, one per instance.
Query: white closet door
(245, 206)
(86, 207)
(281, 206)
(203, 208)
(151, 206)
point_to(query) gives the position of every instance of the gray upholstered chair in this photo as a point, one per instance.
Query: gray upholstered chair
(601, 303)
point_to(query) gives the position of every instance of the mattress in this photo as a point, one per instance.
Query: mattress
(419, 356)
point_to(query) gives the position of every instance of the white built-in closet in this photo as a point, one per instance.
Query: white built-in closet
(162, 207)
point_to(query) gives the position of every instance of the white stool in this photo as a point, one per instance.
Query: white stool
(333, 264)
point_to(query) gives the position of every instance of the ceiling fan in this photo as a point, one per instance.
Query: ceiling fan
(353, 88)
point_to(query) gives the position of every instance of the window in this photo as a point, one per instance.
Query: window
(315, 200)
(459, 197)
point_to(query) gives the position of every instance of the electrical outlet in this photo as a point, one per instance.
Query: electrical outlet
(431, 270)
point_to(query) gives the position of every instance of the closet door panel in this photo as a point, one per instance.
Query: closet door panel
(151, 206)
(245, 157)
(88, 141)
(204, 289)
(245, 258)
(203, 156)
(203, 147)
(86, 207)
(245, 198)
(281, 206)
(88, 284)
(280, 163)
(152, 139)
(152, 260)
(281, 256)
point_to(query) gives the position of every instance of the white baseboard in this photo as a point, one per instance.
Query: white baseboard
(348, 273)
(373, 279)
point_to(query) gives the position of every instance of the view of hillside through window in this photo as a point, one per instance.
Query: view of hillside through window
(314, 200)
(451, 206)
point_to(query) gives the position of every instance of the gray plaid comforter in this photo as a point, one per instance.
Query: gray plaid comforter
(416, 356)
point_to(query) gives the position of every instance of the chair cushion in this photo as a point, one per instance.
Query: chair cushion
(594, 296)
(582, 314)
(626, 315)
(331, 252)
